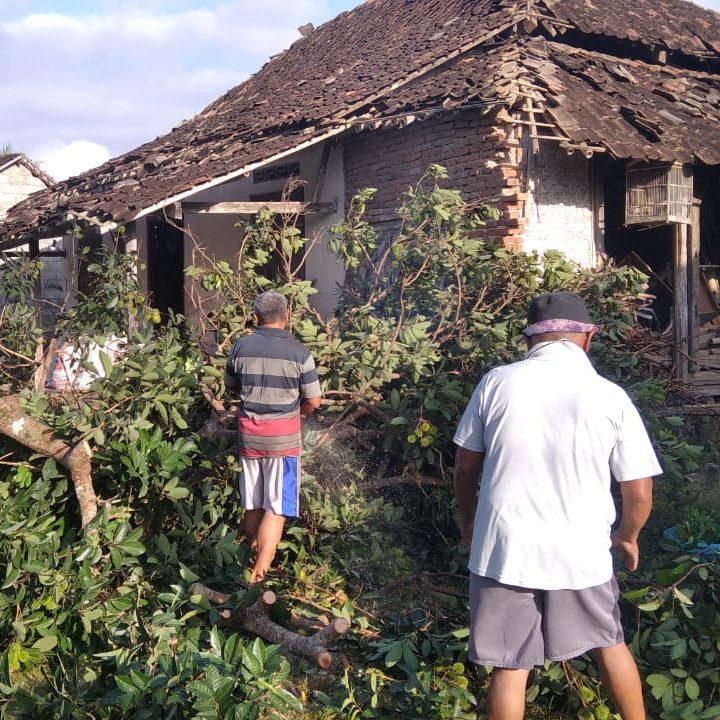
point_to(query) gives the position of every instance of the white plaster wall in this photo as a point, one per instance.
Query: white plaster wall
(560, 205)
(16, 183)
(323, 268)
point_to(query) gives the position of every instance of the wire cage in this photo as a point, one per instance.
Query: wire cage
(658, 194)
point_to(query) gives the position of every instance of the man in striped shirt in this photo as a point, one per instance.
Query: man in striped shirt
(275, 379)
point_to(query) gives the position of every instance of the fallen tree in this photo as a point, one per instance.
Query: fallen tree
(149, 449)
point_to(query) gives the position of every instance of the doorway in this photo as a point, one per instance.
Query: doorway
(166, 259)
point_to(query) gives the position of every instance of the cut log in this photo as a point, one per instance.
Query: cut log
(255, 619)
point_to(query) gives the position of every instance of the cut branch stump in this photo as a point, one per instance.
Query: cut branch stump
(255, 619)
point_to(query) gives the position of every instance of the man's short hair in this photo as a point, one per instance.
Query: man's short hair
(270, 307)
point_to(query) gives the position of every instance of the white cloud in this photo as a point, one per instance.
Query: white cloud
(62, 161)
(121, 75)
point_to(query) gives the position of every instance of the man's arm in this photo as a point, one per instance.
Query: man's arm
(309, 405)
(636, 506)
(465, 483)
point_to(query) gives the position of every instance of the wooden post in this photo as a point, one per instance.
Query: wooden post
(694, 284)
(681, 278)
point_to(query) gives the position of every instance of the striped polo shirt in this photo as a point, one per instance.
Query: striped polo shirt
(273, 373)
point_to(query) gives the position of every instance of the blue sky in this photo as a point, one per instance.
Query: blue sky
(85, 80)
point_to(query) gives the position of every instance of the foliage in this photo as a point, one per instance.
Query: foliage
(101, 623)
(18, 320)
(678, 621)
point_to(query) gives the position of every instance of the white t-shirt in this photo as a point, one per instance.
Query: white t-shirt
(552, 431)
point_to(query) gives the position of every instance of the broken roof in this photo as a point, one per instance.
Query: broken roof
(644, 83)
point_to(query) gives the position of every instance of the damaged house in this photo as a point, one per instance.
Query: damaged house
(19, 178)
(594, 130)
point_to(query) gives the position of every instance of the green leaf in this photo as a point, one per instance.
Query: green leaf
(125, 684)
(682, 597)
(658, 680)
(251, 661)
(106, 363)
(178, 493)
(133, 547)
(410, 656)
(394, 654)
(187, 574)
(692, 689)
(679, 649)
(11, 575)
(45, 644)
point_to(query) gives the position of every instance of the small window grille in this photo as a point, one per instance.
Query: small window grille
(658, 194)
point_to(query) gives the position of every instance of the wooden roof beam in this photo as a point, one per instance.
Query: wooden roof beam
(252, 208)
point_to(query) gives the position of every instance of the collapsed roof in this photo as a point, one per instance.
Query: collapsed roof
(643, 83)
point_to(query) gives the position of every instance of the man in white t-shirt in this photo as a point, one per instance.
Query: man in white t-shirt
(548, 434)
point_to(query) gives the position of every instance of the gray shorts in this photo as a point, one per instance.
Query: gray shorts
(513, 627)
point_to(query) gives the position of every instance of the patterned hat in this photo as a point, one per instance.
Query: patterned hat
(558, 312)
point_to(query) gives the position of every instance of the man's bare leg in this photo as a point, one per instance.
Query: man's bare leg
(621, 679)
(506, 697)
(251, 523)
(269, 532)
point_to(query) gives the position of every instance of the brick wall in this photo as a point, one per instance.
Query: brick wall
(545, 199)
(480, 154)
(16, 183)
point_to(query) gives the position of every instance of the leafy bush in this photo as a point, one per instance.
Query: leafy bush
(100, 622)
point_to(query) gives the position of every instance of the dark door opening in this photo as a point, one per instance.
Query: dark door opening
(166, 258)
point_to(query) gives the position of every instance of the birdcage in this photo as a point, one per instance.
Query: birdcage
(658, 194)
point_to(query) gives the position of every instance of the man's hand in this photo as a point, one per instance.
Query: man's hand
(309, 405)
(466, 533)
(636, 505)
(627, 550)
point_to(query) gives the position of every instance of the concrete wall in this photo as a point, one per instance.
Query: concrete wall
(16, 183)
(546, 200)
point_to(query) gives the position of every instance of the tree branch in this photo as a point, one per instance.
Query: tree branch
(255, 619)
(15, 423)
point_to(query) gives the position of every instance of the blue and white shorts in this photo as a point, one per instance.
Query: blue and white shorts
(271, 483)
